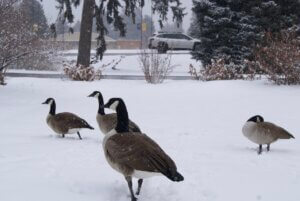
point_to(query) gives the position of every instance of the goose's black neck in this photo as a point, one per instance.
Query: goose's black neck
(101, 103)
(52, 108)
(122, 117)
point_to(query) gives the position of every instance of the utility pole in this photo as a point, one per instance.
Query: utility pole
(141, 27)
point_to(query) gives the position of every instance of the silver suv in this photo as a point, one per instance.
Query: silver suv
(172, 41)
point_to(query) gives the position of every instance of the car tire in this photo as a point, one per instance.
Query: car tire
(150, 44)
(196, 47)
(162, 48)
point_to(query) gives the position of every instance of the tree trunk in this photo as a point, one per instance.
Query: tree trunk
(85, 40)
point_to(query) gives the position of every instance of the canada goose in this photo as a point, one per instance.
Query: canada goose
(64, 123)
(107, 122)
(260, 132)
(134, 154)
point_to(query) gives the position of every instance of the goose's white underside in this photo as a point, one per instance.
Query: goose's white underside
(254, 134)
(73, 130)
(144, 174)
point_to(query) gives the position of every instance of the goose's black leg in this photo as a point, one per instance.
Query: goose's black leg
(268, 147)
(259, 149)
(63, 135)
(129, 181)
(140, 182)
(79, 135)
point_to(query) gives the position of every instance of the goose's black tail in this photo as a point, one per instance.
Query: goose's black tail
(177, 177)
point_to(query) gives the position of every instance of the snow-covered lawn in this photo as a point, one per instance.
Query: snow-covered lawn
(197, 123)
(129, 65)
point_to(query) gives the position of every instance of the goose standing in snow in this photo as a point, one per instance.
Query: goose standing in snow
(64, 123)
(134, 154)
(107, 122)
(261, 132)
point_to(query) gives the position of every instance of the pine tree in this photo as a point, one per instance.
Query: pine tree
(232, 28)
(35, 16)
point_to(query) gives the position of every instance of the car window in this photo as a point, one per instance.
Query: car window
(174, 36)
(184, 37)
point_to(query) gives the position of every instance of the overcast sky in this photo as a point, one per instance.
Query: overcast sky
(51, 11)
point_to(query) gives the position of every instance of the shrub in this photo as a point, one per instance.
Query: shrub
(156, 67)
(279, 57)
(217, 70)
(82, 73)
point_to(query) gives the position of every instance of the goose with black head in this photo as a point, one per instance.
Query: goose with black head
(261, 132)
(65, 122)
(107, 122)
(135, 154)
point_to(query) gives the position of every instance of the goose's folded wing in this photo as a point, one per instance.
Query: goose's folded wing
(139, 152)
(70, 120)
(276, 131)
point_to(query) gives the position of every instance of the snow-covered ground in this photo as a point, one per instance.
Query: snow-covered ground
(197, 123)
(123, 51)
(130, 64)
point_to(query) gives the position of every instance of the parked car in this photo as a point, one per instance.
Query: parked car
(172, 41)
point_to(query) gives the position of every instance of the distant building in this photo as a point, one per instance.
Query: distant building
(71, 41)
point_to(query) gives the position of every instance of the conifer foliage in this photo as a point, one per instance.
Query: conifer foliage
(232, 28)
(35, 16)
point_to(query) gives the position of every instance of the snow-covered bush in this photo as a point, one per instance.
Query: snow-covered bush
(156, 67)
(218, 70)
(279, 57)
(19, 40)
(82, 73)
(48, 56)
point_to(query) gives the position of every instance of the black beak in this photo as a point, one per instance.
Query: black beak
(91, 95)
(45, 102)
(106, 106)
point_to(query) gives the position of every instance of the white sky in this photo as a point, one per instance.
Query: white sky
(51, 11)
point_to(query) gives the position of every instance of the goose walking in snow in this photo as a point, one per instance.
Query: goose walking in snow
(107, 122)
(64, 123)
(134, 154)
(261, 132)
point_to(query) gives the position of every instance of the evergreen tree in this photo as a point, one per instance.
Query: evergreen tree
(35, 16)
(232, 28)
(194, 27)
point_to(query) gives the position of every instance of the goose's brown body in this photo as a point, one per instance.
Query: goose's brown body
(130, 152)
(66, 123)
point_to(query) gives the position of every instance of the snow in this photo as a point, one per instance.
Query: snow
(121, 51)
(129, 64)
(197, 123)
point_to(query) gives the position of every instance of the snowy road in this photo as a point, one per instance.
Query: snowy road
(197, 123)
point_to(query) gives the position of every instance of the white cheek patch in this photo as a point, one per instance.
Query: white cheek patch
(97, 95)
(114, 105)
(51, 101)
